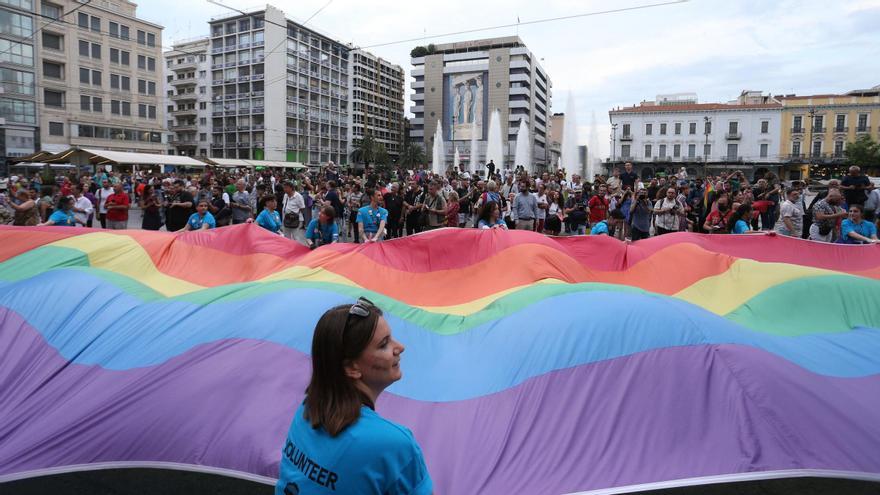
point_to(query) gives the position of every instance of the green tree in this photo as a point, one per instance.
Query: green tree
(418, 51)
(863, 152)
(411, 156)
(365, 151)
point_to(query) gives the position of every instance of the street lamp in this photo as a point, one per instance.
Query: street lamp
(706, 124)
(812, 114)
(613, 143)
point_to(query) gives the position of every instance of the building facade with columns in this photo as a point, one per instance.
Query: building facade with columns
(675, 131)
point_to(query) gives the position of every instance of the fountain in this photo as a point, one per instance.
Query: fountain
(475, 147)
(593, 159)
(494, 150)
(438, 163)
(569, 156)
(456, 160)
(521, 157)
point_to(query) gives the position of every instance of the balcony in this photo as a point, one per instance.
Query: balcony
(245, 144)
(216, 145)
(864, 128)
(733, 136)
(819, 130)
(187, 64)
(798, 130)
(184, 127)
(732, 158)
(184, 143)
(795, 156)
(186, 81)
(626, 137)
(184, 111)
(841, 129)
(184, 97)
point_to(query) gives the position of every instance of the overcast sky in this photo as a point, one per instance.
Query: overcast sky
(714, 48)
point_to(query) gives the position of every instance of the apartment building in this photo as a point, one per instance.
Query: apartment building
(187, 98)
(376, 97)
(99, 76)
(461, 84)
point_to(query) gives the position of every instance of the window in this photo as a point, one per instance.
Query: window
(692, 128)
(85, 103)
(96, 24)
(648, 129)
(732, 127)
(16, 81)
(141, 37)
(126, 83)
(85, 75)
(648, 150)
(764, 149)
(201, 90)
(126, 108)
(863, 122)
(114, 81)
(16, 24)
(96, 51)
(818, 123)
(203, 105)
(732, 150)
(124, 58)
(52, 11)
(97, 105)
(56, 128)
(151, 39)
(626, 130)
(662, 129)
(114, 55)
(796, 148)
(838, 149)
(203, 136)
(22, 4)
(151, 112)
(83, 48)
(142, 62)
(151, 88)
(53, 70)
(707, 128)
(692, 149)
(678, 128)
(53, 41)
(840, 124)
(765, 127)
(142, 111)
(83, 20)
(142, 86)
(113, 29)
(203, 121)
(624, 151)
(151, 64)
(53, 98)
(20, 111)
(798, 123)
(124, 32)
(114, 107)
(707, 150)
(96, 78)
(661, 152)
(16, 53)
(676, 148)
(817, 148)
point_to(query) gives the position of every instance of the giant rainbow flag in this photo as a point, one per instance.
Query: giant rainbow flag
(533, 364)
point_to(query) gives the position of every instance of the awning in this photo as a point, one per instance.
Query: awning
(269, 163)
(228, 162)
(41, 165)
(128, 158)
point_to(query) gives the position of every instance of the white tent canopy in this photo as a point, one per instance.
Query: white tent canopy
(228, 162)
(239, 162)
(269, 163)
(129, 158)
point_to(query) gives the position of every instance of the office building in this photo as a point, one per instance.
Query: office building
(376, 97)
(19, 134)
(461, 84)
(676, 131)
(99, 77)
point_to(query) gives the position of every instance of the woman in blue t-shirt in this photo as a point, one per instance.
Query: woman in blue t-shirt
(269, 219)
(490, 217)
(337, 443)
(63, 216)
(856, 230)
(740, 222)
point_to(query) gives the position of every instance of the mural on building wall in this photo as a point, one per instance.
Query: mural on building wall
(465, 104)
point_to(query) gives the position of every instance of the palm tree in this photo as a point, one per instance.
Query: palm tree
(365, 151)
(412, 155)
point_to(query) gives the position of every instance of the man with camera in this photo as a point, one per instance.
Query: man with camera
(667, 211)
(640, 213)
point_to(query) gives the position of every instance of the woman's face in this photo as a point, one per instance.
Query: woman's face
(379, 364)
(855, 215)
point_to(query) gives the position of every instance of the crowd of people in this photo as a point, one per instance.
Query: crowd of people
(331, 205)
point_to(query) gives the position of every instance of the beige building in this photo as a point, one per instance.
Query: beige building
(460, 85)
(376, 96)
(187, 97)
(99, 77)
(557, 123)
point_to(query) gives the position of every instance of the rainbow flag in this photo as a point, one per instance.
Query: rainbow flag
(706, 192)
(533, 364)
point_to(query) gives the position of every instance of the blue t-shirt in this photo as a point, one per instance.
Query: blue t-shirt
(865, 228)
(372, 456)
(600, 228)
(269, 221)
(326, 232)
(63, 218)
(371, 218)
(483, 224)
(195, 221)
(741, 227)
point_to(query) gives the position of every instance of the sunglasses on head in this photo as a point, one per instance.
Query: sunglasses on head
(362, 309)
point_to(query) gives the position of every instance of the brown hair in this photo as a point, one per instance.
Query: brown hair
(332, 399)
